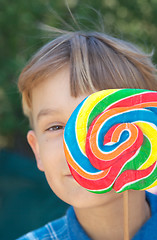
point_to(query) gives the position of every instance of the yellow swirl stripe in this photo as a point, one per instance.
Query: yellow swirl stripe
(151, 133)
(81, 122)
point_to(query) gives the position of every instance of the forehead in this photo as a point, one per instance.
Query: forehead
(53, 96)
(51, 90)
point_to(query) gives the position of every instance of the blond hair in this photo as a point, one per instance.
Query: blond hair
(97, 61)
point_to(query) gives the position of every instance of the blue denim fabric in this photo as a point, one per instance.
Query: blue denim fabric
(68, 228)
(65, 228)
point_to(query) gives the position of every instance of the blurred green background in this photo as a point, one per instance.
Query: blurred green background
(26, 202)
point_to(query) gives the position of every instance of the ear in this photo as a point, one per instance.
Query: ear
(33, 142)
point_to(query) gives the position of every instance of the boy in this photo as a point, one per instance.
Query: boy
(55, 81)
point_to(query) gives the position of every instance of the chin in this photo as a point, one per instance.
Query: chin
(86, 199)
(73, 194)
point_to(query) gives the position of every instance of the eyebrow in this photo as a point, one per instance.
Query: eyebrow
(46, 112)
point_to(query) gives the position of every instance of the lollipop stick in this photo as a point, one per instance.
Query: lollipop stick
(126, 215)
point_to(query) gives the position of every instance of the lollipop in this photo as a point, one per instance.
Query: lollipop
(110, 140)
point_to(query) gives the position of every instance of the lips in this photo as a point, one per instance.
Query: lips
(68, 174)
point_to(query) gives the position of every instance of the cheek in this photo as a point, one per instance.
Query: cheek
(51, 151)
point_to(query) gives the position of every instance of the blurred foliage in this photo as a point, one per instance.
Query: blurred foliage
(20, 37)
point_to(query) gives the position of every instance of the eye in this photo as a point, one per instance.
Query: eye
(55, 128)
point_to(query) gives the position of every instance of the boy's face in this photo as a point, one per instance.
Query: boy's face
(52, 105)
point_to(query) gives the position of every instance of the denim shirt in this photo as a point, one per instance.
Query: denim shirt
(68, 228)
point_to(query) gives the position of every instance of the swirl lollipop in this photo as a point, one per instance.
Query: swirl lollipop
(110, 140)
